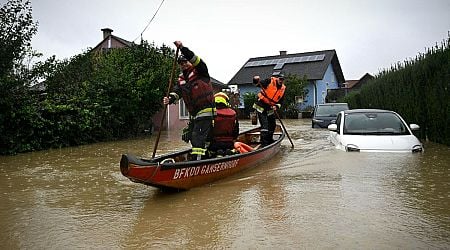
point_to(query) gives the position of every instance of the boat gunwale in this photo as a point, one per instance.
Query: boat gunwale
(148, 163)
(181, 164)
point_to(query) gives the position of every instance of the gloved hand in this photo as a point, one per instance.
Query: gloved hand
(172, 98)
(276, 106)
(166, 100)
(179, 44)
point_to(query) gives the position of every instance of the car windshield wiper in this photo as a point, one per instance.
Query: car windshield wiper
(386, 133)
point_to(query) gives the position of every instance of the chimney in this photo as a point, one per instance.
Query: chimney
(106, 32)
(283, 52)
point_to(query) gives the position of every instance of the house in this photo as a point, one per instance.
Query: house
(177, 115)
(321, 68)
(110, 41)
(349, 86)
(352, 85)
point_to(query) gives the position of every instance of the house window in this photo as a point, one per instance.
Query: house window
(184, 113)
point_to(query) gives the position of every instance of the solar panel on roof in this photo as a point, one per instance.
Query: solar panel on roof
(279, 63)
(279, 66)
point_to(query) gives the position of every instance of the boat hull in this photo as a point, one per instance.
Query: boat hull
(172, 171)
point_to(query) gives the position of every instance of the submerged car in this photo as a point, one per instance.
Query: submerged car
(325, 114)
(373, 130)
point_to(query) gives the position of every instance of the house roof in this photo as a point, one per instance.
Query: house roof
(218, 84)
(312, 64)
(350, 83)
(118, 39)
(121, 40)
(357, 83)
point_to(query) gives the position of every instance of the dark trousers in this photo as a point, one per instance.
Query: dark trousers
(201, 134)
(220, 145)
(268, 125)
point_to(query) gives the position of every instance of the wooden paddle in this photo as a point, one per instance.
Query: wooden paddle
(174, 65)
(285, 130)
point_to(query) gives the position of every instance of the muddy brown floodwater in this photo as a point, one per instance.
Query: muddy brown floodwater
(313, 196)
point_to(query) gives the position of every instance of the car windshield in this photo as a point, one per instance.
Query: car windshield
(374, 124)
(330, 110)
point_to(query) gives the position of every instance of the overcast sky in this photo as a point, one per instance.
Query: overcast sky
(368, 35)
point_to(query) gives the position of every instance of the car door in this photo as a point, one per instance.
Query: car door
(335, 135)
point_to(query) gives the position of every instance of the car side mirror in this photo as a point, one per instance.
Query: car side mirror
(332, 127)
(414, 126)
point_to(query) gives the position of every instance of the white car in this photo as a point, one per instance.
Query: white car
(373, 130)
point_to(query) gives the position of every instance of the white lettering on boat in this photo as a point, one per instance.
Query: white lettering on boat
(181, 173)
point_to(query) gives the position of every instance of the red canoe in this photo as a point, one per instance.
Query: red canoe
(173, 171)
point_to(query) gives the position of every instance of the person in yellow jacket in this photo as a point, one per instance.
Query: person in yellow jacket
(194, 86)
(270, 98)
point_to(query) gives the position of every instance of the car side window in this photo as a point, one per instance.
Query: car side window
(338, 123)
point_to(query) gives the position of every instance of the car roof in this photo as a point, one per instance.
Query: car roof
(351, 111)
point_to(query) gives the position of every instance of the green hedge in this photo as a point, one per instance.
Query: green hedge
(88, 98)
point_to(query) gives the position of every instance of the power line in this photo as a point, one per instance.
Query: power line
(150, 21)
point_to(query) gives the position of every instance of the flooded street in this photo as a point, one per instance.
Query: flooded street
(313, 196)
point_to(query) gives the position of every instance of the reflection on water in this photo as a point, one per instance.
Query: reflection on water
(312, 196)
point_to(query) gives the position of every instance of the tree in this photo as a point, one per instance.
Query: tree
(295, 87)
(16, 30)
(249, 99)
(104, 96)
(17, 102)
(87, 98)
